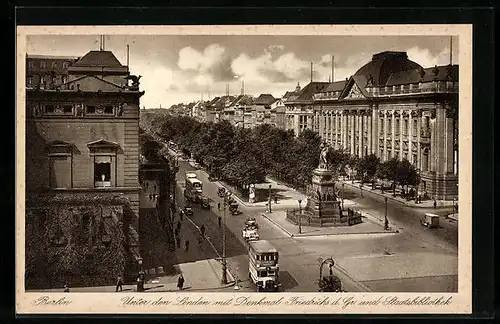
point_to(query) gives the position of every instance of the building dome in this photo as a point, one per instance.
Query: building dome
(383, 64)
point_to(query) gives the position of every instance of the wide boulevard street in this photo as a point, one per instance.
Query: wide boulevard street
(415, 259)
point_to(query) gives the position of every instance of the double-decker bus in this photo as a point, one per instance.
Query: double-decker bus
(194, 188)
(263, 267)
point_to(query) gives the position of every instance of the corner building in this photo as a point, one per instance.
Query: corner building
(391, 107)
(82, 153)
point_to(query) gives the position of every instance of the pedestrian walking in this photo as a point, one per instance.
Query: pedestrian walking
(180, 215)
(66, 288)
(179, 224)
(119, 283)
(186, 245)
(177, 232)
(218, 205)
(202, 229)
(275, 199)
(219, 219)
(435, 204)
(200, 240)
(178, 240)
(180, 282)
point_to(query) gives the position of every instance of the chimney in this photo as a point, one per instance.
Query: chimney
(128, 55)
(333, 68)
(311, 71)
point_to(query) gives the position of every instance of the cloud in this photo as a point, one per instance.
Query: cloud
(275, 48)
(426, 58)
(213, 60)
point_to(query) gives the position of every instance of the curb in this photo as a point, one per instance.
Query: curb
(275, 223)
(393, 198)
(327, 234)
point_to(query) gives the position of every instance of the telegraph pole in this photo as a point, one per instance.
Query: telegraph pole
(224, 264)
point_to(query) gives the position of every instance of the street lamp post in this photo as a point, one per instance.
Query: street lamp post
(224, 261)
(386, 221)
(342, 196)
(175, 169)
(270, 210)
(300, 216)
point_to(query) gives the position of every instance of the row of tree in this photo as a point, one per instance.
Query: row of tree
(242, 156)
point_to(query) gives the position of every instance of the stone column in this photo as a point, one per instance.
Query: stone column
(352, 125)
(449, 147)
(386, 156)
(361, 132)
(401, 136)
(374, 131)
(437, 129)
(341, 129)
(393, 128)
(410, 137)
(369, 124)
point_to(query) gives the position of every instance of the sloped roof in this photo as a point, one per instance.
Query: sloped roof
(437, 73)
(265, 99)
(306, 94)
(221, 102)
(383, 65)
(335, 86)
(242, 100)
(98, 59)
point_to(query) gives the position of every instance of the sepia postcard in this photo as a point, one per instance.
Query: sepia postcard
(285, 169)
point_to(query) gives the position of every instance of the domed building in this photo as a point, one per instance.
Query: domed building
(391, 107)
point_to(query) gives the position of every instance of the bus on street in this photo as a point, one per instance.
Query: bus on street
(263, 267)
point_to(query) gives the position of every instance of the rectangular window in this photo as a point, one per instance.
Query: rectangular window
(67, 109)
(90, 109)
(50, 109)
(396, 130)
(389, 126)
(60, 171)
(381, 125)
(414, 159)
(108, 109)
(30, 64)
(415, 127)
(405, 155)
(29, 82)
(42, 65)
(102, 171)
(405, 129)
(263, 273)
(54, 65)
(66, 65)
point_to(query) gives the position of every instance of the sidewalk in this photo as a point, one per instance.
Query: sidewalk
(453, 216)
(198, 276)
(410, 203)
(368, 226)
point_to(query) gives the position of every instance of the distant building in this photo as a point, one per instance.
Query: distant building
(391, 107)
(45, 72)
(264, 110)
(82, 152)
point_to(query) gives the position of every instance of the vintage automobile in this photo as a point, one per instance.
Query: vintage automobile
(251, 223)
(221, 192)
(233, 208)
(250, 234)
(188, 211)
(430, 220)
(205, 203)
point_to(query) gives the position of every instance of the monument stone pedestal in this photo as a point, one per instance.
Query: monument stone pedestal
(323, 208)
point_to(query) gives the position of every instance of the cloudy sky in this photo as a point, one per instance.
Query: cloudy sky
(178, 69)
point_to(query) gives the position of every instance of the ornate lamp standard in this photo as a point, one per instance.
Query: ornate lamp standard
(224, 261)
(300, 216)
(175, 169)
(270, 210)
(386, 221)
(342, 196)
